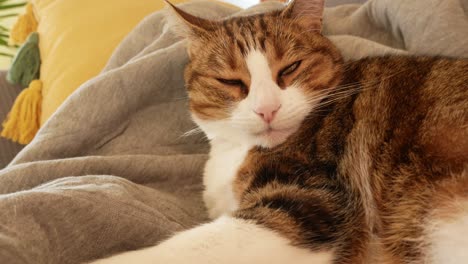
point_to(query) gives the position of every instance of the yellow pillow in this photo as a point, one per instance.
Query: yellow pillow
(76, 39)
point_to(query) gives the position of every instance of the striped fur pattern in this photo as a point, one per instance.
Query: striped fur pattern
(375, 166)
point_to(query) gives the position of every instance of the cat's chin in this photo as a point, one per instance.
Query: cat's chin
(272, 137)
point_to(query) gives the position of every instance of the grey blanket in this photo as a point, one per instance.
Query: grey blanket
(112, 171)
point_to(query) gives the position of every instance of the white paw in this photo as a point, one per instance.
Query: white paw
(220, 204)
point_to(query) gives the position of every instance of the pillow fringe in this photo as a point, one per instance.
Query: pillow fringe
(24, 26)
(23, 121)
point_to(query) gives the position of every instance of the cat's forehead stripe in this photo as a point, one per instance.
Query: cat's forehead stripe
(241, 46)
(247, 32)
(263, 25)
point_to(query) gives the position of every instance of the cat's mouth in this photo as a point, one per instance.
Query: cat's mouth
(271, 137)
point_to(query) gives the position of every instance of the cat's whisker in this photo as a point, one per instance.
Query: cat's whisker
(192, 132)
(177, 99)
(329, 102)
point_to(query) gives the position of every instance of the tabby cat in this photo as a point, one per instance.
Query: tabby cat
(317, 160)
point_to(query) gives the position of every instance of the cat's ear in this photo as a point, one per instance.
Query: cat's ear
(188, 25)
(308, 13)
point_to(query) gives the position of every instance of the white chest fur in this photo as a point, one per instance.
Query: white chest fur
(220, 172)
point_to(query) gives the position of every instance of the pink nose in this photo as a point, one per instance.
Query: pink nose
(267, 112)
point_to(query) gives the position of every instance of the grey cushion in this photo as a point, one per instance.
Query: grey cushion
(8, 93)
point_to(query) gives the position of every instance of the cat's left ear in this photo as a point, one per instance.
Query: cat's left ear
(187, 24)
(308, 13)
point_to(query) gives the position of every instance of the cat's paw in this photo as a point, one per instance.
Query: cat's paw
(218, 205)
(216, 212)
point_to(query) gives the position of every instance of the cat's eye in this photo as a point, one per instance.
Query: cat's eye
(234, 82)
(289, 69)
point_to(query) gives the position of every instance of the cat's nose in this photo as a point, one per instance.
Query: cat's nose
(267, 112)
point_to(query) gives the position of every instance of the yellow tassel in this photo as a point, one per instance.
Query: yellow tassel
(25, 25)
(22, 122)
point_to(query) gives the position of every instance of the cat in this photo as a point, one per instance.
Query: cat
(317, 160)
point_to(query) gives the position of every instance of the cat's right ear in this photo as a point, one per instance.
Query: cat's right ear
(306, 12)
(188, 25)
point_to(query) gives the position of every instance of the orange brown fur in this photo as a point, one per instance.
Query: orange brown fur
(393, 125)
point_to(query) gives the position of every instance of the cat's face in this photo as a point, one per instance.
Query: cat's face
(255, 79)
